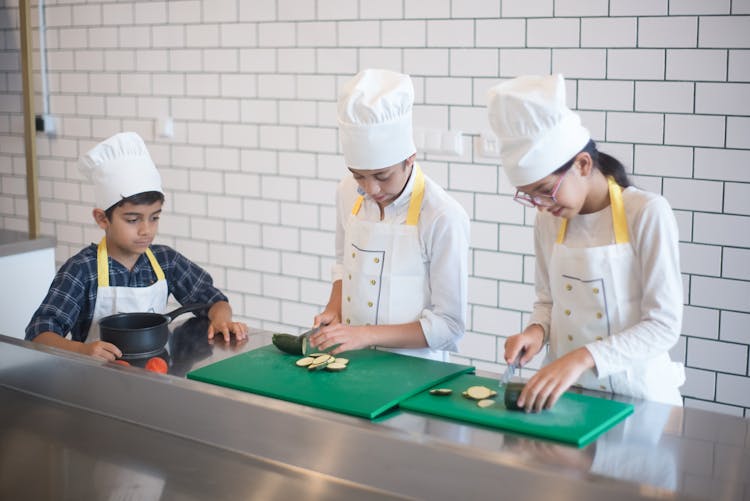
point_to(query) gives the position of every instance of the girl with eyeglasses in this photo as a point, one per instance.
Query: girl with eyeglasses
(607, 275)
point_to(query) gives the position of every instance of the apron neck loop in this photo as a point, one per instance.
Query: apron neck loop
(415, 202)
(619, 222)
(102, 264)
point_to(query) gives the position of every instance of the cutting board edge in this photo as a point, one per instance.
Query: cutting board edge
(581, 440)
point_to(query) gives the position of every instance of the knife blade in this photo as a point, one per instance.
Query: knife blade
(511, 369)
(306, 339)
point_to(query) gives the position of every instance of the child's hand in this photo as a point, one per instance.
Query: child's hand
(220, 316)
(546, 386)
(346, 337)
(239, 329)
(100, 349)
(530, 340)
(328, 317)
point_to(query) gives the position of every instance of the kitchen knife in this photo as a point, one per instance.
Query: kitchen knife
(511, 369)
(306, 339)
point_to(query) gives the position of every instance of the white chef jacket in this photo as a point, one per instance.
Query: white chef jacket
(653, 235)
(444, 239)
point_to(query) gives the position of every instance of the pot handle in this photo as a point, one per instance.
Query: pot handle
(185, 309)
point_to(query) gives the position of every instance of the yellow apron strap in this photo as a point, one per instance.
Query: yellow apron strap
(155, 264)
(102, 264)
(619, 222)
(357, 205)
(563, 229)
(417, 195)
(415, 203)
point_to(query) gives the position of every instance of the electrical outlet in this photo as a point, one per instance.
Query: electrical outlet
(489, 145)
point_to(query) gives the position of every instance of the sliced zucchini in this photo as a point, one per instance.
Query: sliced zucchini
(335, 366)
(304, 362)
(485, 403)
(288, 343)
(441, 392)
(342, 360)
(478, 392)
(512, 392)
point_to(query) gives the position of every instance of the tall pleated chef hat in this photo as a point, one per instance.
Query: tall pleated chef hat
(374, 115)
(538, 133)
(120, 167)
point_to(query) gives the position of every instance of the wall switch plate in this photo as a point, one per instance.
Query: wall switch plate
(46, 124)
(452, 143)
(165, 127)
(438, 141)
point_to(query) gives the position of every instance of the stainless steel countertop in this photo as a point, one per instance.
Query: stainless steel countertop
(16, 242)
(73, 427)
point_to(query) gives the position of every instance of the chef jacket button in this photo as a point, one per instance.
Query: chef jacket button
(369, 303)
(599, 314)
(368, 323)
(578, 385)
(602, 387)
(599, 338)
(570, 337)
(353, 254)
(567, 312)
(568, 287)
(596, 290)
(373, 282)
(348, 321)
(350, 276)
(348, 299)
(377, 259)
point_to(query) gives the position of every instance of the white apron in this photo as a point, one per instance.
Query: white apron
(385, 274)
(111, 300)
(597, 293)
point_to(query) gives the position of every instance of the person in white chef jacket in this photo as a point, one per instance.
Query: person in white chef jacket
(124, 272)
(401, 271)
(608, 283)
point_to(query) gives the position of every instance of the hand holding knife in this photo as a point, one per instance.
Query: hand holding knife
(511, 369)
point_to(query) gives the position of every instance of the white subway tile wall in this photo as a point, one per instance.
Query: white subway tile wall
(253, 164)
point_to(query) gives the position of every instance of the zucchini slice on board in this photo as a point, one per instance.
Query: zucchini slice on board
(304, 362)
(335, 366)
(478, 392)
(441, 392)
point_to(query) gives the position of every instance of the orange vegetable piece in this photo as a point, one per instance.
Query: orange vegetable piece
(157, 364)
(122, 362)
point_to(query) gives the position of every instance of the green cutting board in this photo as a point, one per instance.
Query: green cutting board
(373, 382)
(575, 418)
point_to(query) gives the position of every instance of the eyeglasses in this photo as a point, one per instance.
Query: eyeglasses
(540, 200)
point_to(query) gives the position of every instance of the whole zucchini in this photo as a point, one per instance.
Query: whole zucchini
(288, 343)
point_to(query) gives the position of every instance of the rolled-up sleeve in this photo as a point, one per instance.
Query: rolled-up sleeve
(447, 241)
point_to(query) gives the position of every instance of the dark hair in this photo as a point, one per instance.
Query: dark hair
(607, 164)
(145, 198)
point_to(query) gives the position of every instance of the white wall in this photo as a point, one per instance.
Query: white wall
(663, 85)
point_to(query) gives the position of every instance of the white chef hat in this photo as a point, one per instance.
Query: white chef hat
(538, 133)
(374, 114)
(120, 167)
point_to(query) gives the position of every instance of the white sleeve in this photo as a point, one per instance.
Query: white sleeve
(544, 239)
(447, 241)
(337, 270)
(656, 244)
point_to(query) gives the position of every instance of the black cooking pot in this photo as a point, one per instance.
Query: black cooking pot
(141, 334)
